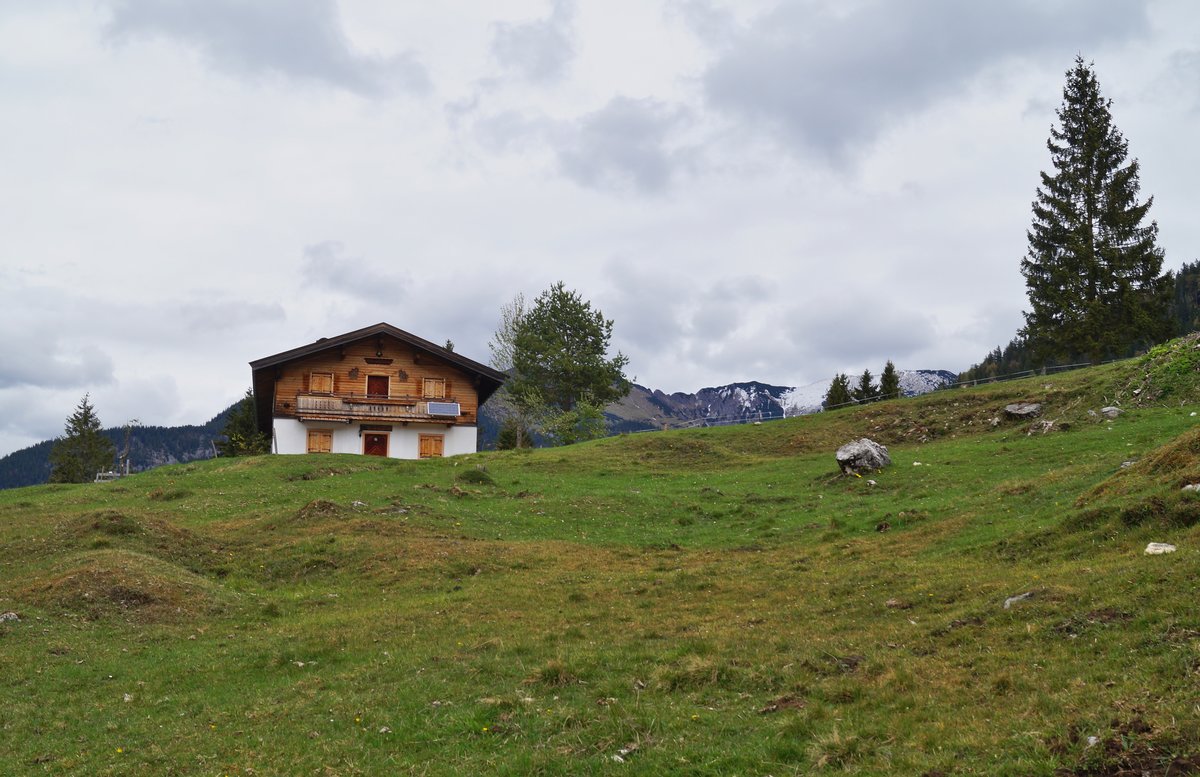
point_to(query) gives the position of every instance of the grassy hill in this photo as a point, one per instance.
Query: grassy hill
(718, 601)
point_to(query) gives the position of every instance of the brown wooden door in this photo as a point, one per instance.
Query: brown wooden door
(375, 444)
(377, 385)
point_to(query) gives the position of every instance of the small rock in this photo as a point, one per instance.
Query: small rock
(1010, 601)
(1023, 410)
(384, 730)
(896, 604)
(1159, 548)
(358, 505)
(871, 482)
(1110, 412)
(9, 616)
(882, 526)
(1127, 464)
(1188, 487)
(1092, 741)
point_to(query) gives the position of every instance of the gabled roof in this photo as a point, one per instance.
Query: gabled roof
(487, 379)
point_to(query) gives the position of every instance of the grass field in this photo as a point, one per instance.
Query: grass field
(716, 601)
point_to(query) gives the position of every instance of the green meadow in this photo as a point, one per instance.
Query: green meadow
(709, 602)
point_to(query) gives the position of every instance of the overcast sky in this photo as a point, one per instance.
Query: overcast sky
(752, 190)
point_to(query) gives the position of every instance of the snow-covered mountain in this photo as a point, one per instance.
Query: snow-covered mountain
(738, 403)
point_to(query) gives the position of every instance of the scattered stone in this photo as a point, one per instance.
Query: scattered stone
(384, 730)
(871, 483)
(1159, 548)
(882, 526)
(1023, 410)
(1010, 601)
(897, 604)
(1130, 463)
(358, 504)
(1041, 427)
(994, 422)
(1110, 412)
(1188, 487)
(9, 616)
(916, 463)
(862, 455)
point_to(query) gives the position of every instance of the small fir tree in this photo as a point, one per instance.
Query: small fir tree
(889, 382)
(838, 394)
(1093, 268)
(83, 451)
(241, 434)
(866, 390)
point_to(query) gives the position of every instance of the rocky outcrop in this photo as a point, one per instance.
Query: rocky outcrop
(862, 455)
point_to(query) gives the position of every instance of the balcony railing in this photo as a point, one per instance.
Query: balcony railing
(349, 407)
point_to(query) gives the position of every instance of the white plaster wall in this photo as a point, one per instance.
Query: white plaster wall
(291, 436)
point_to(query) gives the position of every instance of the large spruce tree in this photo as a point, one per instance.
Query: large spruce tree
(83, 451)
(1093, 269)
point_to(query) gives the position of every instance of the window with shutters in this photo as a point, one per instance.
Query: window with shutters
(377, 385)
(431, 446)
(434, 388)
(320, 441)
(320, 383)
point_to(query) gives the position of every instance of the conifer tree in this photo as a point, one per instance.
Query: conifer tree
(1093, 268)
(838, 393)
(242, 437)
(866, 390)
(889, 382)
(83, 451)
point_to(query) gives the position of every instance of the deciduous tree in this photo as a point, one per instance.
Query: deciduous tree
(561, 366)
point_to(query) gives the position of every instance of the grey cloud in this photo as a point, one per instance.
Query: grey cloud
(840, 330)
(626, 145)
(225, 315)
(831, 79)
(540, 51)
(715, 26)
(1184, 75)
(298, 39)
(36, 363)
(326, 266)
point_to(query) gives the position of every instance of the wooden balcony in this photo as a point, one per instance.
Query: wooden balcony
(351, 407)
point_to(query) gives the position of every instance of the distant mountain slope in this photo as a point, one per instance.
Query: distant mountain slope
(149, 446)
(738, 403)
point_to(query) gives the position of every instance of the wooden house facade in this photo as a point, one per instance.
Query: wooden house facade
(377, 391)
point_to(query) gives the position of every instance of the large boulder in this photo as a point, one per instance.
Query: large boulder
(862, 456)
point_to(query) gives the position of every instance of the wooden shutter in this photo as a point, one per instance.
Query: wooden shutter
(434, 388)
(320, 441)
(321, 383)
(431, 446)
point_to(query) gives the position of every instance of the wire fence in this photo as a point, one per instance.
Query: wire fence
(759, 417)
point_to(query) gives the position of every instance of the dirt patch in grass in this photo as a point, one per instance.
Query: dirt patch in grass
(115, 583)
(1130, 748)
